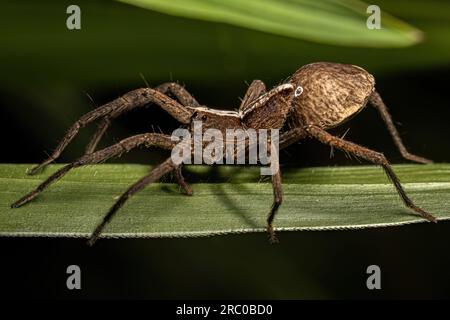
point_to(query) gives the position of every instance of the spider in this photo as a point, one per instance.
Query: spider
(317, 97)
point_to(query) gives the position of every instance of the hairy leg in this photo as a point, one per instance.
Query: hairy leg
(369, 155)
(182, 182)
(277, 199)
(377, 102)
(133, 99)
(97, 136)
(292, 136)
(153, 176)
(183, 97)
(177, 90)
(147, 139)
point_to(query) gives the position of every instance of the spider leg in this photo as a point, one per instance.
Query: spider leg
(369, 155)
(97, 136)
(182, 95)
(133, 99)
(186, 99)
(147, 139)
(255, 90)
(277, 200)
(182, 182)
(291, 136)
(153, 176)
(377, 102)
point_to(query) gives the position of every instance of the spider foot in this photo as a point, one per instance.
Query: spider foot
(418, 159)
(96, 234)
(426, 215)
(23, 200)
(187, 189)
(273, 239)
(38, 168)
(182, 182)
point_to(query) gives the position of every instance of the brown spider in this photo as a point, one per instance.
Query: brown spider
(317, 97)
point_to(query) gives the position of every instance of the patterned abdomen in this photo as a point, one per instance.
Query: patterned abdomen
(332, 93)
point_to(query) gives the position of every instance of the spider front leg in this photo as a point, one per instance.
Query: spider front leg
(182, 95)
(97, 136)
(277, 200)
(148, 139)
(131, 100)
(291, 136)
(377, 102)
(372, 156)
(153, 176)
(177, 90)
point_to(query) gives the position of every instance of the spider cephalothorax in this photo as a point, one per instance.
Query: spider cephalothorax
(317, 97)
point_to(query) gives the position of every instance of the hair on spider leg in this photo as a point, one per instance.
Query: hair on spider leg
(331, 152)
(91, 99)
(352, 157)
(143, 78)
(332, 148)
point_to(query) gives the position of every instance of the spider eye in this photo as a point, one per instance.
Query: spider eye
(298, 91)
(204, 117)
(194, 115)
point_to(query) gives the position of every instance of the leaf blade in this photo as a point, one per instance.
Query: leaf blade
(331, 22)
(313, 200)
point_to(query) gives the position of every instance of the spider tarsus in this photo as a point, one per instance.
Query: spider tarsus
(188, 191)
(182, 182)
(39, 167)
(23, 201)
(95, 235)
(418, 159)
(273, 239)
(15, 205)
(91, 242)
(186, 188)
(426, 215)
(35, 170)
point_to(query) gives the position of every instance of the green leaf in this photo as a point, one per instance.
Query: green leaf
(339, 22)
(226, 200)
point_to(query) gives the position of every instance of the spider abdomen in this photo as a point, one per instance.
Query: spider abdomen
(332, 92)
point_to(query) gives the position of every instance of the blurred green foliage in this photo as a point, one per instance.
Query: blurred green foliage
(340, 22)
(117, 42)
